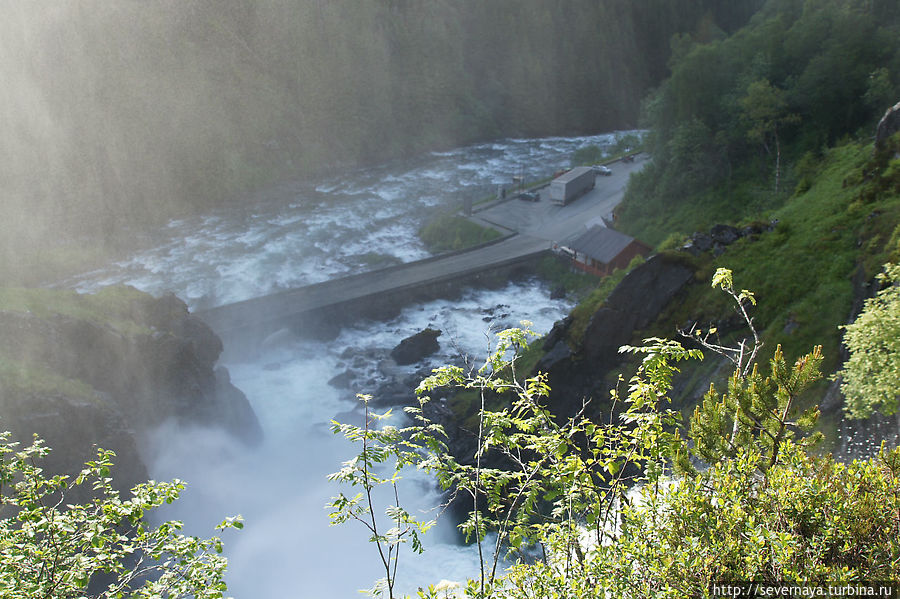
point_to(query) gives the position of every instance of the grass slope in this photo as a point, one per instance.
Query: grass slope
(837, 229)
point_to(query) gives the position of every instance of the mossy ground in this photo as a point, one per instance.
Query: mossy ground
(802, 272)
(450, 232)
(111, 306)
(18, 377)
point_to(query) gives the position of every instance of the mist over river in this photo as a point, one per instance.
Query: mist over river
(306, 232)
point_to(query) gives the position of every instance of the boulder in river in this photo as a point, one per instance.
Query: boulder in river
(416, 347)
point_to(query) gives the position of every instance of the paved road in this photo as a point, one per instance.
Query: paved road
(533, 228)
(554, 223)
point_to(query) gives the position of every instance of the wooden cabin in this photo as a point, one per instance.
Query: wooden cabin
(601, 250)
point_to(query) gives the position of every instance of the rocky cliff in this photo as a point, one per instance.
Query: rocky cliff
(103, 370)
(577, 373)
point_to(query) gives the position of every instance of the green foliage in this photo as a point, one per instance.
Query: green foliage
(871, 377)
(17, 376)
(839, 230)
(51, 548)
(116, 305)
(588, 155)
(449, 232)
(675, 241)
(724, 100)
(812, 520)
(382, 445)
(561, 497)
(558, 271)
(556, 476)
(757, 412)
(765, 109)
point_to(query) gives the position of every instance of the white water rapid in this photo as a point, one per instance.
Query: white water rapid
(304, 233)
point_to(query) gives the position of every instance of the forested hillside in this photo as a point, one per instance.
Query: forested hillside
(118, 114)
(742, 121)
(772, 129)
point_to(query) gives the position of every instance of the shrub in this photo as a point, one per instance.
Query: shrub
(101, 548)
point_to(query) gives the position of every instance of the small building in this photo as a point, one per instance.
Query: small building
(601, 250)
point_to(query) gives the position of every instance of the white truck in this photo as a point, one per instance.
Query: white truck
(569, 186)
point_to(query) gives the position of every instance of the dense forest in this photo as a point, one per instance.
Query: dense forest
(124, 114)
(774, 125)
(738, 120)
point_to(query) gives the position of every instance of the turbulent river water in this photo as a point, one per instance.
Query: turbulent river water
(306, 232)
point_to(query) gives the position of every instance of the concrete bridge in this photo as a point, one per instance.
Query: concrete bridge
(321, 309)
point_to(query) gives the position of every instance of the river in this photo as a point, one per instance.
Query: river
(305, 232)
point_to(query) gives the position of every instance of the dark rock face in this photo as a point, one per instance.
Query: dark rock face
(558, 332)
(646, 290)
(343, 380)
(721, 236)
(633, 305)
(888, 125)
(123, 381)
(416, 347)
(558, 353)
(699, 242)
(74, 426)
(724, 234)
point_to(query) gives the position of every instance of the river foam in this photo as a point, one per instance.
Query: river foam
(319, 231)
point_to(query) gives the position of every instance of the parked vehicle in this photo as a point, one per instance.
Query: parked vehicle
(571, 185)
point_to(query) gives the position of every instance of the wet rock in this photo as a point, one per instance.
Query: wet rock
(145, 362)
(701, 242)
(394, 393)
(690, 248)
(648, 288)
(633, 305)
(887, 126)
(559, 352)
(606, 332)
(559, 332)
(416, 347)
(724, 234)
(234, 412)
(343, 380)
(558, 293)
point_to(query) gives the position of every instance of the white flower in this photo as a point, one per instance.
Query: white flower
(446, 585)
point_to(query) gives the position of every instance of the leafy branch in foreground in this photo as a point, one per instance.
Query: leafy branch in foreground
(53, 549)
(871, 377)
(743, 356)
(379, 446)
(620, 508)
(755, 410)
(552, 481)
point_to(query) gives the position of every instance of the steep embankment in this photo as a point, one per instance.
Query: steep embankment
(810, 267)
(103, 370)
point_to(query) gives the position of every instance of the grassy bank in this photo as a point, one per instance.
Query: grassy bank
(449, 232)
(839, 229)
